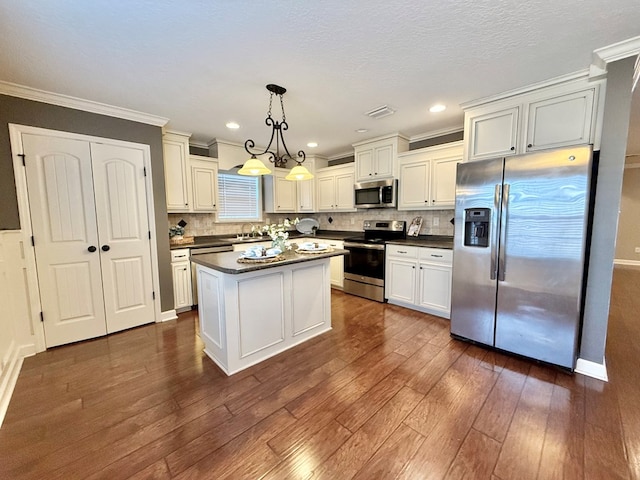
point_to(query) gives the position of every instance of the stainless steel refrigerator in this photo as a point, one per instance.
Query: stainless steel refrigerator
(519, 253)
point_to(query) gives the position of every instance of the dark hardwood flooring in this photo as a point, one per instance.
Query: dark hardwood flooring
(386, 394)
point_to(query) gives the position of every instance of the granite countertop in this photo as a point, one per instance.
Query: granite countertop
(433, 241)
(228, 240)
(226, 262)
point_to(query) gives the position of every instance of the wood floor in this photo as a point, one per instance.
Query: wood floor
(386, 394)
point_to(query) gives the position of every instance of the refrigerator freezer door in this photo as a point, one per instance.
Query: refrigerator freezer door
(544, 220)
(473, 301)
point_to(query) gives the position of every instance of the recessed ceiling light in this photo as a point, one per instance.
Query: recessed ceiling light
(437, 108)
(362, 130)
(312, 144)
(233, 125)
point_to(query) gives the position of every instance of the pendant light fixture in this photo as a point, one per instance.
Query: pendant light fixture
(254, 166)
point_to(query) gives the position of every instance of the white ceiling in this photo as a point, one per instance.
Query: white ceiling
(203, 63)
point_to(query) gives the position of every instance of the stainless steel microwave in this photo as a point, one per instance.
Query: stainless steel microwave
(379, 194)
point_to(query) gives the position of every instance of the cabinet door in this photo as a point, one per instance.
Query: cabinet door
(181, 284)
(400, 281)
(285, 195)
(204, 178)
(383, 161)
(493, 134)
(435, 288)
(414, 186)
(560, 121)
(326, 193)
(176, 154)
(344, 192)
(364, 164)
(306, 195)
(336, 264)
(443, 184)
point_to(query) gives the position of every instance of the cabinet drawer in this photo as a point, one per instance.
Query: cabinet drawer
(179, 255)
(404, 251)
(436, 255)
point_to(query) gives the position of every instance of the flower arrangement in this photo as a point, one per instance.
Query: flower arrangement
(278, 232)
(176, 231)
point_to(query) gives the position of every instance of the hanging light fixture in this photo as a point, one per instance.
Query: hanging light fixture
(254, 166)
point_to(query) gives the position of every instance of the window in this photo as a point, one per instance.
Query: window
(239, 198)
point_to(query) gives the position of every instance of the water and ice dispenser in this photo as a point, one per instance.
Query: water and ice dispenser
(476, 227)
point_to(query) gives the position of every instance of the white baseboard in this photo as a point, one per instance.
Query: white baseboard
(9, 378)
(168, 315)
(622, 261)
(592, 369)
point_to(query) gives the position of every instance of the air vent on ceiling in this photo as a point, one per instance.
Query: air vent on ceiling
(380, 112)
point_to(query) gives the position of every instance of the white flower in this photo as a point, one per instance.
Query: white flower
(278, 231)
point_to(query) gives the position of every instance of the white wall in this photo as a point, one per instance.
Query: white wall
(629, 223)
(16, 337)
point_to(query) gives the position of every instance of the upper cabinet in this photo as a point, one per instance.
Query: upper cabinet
(204, 183)
(191, 181)
(556, 115)
(287, 196)
(335, 190)
(176, 174)
(377, 158)
(428, 177)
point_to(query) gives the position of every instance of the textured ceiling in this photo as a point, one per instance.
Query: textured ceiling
(204, 63)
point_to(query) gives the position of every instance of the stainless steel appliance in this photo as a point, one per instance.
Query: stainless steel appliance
(519, 253)
(379, 194)
(202, 251)
(364, 266)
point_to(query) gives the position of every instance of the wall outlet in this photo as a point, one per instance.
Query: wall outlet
(637, 249)
(436, 221)
(353, 221)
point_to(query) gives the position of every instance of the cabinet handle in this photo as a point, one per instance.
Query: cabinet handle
(402, 251)
(105, 248)
(414, 267)
(92, 248)
(513, 148)
(529, 146)
(437, 256)
(185, 269)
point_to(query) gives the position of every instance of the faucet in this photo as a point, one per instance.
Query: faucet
(242, 234)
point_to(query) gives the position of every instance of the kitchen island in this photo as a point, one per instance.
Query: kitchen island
(252, 311)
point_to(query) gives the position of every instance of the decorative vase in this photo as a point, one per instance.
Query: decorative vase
(278, 243)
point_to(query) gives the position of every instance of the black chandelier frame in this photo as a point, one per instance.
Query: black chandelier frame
(277, 127)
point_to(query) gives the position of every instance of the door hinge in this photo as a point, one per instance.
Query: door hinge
(33, 241)
(42, 317)
(144, 169)
(24, 163)
(153, 295)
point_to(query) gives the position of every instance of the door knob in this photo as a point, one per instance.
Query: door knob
(92, 248)
(105, 248)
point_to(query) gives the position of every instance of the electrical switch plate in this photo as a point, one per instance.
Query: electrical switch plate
(353, 221)
(637, 249)
(436, 221)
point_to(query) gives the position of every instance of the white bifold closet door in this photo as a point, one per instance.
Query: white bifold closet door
(91, 233)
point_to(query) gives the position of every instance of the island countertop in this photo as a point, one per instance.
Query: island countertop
(227, 262)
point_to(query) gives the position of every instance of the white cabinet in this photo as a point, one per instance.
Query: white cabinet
(191, 181)
(377, 158)
(204, 182)
(335, 188)
(419, 278)
(282, 195)
(175, 148)
(181, 268)
(535, 118)
(428, 177)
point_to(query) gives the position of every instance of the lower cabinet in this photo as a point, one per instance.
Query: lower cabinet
(181, 268)
(419, 278)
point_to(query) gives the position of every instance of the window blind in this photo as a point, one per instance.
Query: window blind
(239, 197)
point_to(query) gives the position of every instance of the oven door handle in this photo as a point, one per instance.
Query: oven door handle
(370, 246)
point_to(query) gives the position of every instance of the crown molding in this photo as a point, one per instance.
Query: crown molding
(28, 93)
(436, 133)
(616, 51)
(198, 144)
(340, 156)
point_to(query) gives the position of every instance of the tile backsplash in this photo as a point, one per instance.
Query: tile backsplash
(199, 224)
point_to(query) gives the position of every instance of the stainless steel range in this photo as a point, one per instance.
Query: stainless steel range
(364, 266)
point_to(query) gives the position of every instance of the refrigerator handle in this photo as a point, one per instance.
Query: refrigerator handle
(494, 229)
(502, 260)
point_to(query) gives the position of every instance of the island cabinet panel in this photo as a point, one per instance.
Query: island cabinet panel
(308, 307)
(248, 317)
(267, 307)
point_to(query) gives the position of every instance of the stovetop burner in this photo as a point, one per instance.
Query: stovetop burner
(379, 231)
